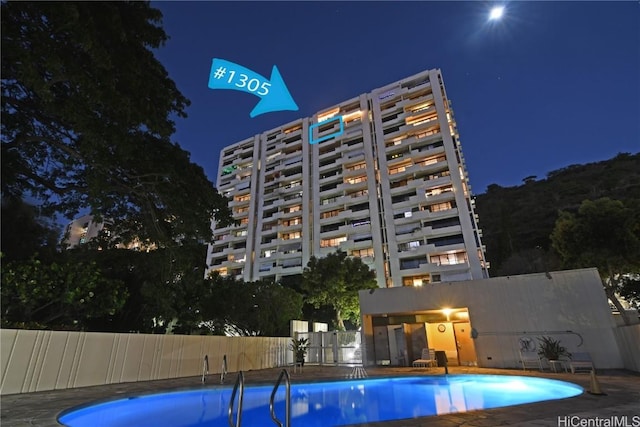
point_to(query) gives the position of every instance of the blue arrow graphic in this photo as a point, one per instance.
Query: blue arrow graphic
(273, 93)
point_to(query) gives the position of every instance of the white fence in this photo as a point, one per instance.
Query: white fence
(48, 360)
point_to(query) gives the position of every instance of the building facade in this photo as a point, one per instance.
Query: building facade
(85, 228)
(380, 176)
(81, 230)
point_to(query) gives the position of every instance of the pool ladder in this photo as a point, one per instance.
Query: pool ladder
(223, 371)
(239, 388)
(287, 401)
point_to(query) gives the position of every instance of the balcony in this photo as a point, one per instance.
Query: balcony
(443, 231)
(331, 178)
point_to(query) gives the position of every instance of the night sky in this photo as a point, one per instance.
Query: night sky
(549, 85)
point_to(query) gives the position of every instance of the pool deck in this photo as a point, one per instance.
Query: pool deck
(621, 399)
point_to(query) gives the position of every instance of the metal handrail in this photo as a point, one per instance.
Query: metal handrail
(287, 402)
(239, 383)
(223, 371)
(205, 368)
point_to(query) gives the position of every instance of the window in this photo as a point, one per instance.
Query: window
(242, 209)
(357, 179)
(398, 169)
(291, 209)
(438, 207)
(232, 258)
(332, 172)
(292, 221)
(446, 241)
(331, 227)
(408, 246)
(293, 196)
(421, 119)
(442, 223)
(293, 262)
(439, 190)
(359, 222)
(359, 193)
(329, 200)
(292, 235)
(330, 214)
(362, 253)
(398, 184)
(330, 243)
(240, 233)
(428, 133)
(328, 187)
(243, 198)
(408, 263)
(416, 280)
(268, 239)
(433, 160)
(357, 166)
(267, 253)
(293, 184)
(268, 226)
(244, 221)
(449, 259)
(360, 207)
(266, 266)
(402, 197)
(293, 129)
(420, 107)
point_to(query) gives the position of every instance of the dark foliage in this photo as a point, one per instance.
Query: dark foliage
(517, 221)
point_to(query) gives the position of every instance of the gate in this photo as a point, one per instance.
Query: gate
(333, 348)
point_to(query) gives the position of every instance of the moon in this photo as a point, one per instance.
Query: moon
(496, 13)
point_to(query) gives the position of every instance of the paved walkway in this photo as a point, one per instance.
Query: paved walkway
(622, 398)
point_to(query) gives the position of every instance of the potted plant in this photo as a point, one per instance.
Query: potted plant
(299, 347)
(551, 349)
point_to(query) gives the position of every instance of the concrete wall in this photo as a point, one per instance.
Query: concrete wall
(567, 305)
(47, 360)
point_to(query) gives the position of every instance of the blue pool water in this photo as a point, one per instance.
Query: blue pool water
(325, 404)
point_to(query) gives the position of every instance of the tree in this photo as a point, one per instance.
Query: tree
(87, 118)
(517, 220)
(335, 280)
(36, 235)
(249, 308)
(604, 233)
(164, 286)
(57, 295)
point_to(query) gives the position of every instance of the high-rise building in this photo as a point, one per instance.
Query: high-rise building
(380, 176)
(85, 228)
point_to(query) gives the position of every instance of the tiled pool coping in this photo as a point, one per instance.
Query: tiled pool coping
(622, 398)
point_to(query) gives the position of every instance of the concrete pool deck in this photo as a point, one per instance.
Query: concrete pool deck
(622, 398)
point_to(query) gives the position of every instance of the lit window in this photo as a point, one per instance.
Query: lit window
(292, 235)
(449, 259)
(327, 115)
(330, 214)
(357, 179)
(362, 253)
(330, 243)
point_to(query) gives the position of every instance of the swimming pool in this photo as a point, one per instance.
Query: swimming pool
(325, 404)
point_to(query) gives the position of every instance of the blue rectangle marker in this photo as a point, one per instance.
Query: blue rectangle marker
(325, 137)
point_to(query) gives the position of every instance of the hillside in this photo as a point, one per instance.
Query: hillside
(516, 221)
